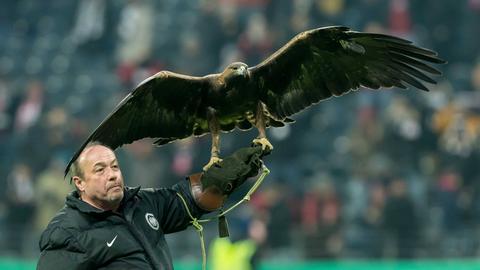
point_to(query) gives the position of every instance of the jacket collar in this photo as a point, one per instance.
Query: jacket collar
(73, 200)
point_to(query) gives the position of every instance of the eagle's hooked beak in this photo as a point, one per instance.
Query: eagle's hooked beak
(236, 70)
(243, 71)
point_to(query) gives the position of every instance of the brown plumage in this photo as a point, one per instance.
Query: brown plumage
(313, 66)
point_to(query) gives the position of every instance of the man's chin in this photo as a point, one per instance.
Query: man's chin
(116, 194)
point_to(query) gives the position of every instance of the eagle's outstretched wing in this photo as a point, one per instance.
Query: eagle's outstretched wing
(164, 106)
(319, 63)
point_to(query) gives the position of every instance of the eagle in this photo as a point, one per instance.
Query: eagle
(313, 66)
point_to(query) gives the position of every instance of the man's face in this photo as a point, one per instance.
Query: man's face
(102, 181)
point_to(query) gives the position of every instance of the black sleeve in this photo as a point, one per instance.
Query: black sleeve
(172, 212)
(62, 251)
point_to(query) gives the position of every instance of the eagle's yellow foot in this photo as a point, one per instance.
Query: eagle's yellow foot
(266, 145)
(212, 161)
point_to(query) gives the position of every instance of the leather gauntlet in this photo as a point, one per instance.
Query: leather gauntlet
(211, 188)
(208, 199)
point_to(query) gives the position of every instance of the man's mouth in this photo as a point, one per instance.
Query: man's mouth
(115, 187)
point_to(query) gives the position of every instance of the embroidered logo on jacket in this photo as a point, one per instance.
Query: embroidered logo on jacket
(109, 244)
(152, 221)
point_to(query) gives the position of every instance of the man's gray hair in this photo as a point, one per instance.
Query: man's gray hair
(75, 169)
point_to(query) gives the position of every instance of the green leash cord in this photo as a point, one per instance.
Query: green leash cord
(196, 222)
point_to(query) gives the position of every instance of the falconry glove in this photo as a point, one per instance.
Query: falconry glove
(232, 171)
(211, 188)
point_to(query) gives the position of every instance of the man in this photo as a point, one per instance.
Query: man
(105, 225)
(243, 250)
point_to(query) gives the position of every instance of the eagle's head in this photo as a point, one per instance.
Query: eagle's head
(235, 71)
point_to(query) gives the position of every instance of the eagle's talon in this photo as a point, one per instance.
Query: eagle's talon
(213, 161)
(266, 145)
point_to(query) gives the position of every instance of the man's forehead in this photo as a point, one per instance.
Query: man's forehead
(97, 153)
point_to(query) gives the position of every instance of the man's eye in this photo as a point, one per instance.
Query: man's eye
(99, 170)
(115, 166)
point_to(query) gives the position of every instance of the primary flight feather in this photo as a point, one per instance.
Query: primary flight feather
(313, 66)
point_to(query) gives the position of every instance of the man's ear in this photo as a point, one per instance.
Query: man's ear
(79, 183)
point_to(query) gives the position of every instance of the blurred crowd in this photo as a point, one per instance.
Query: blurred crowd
(391, 174)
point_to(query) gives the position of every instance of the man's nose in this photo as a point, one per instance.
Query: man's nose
(112, 175)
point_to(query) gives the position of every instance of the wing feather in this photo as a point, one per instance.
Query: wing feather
(331, 61)
(164, 106)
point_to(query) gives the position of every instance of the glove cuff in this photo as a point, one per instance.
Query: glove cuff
(209, 199)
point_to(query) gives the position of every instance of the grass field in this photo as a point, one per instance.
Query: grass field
(470, 264)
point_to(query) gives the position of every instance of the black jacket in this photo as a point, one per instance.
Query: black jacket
(83, 237)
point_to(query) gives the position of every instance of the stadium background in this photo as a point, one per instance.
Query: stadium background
(358, 182)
